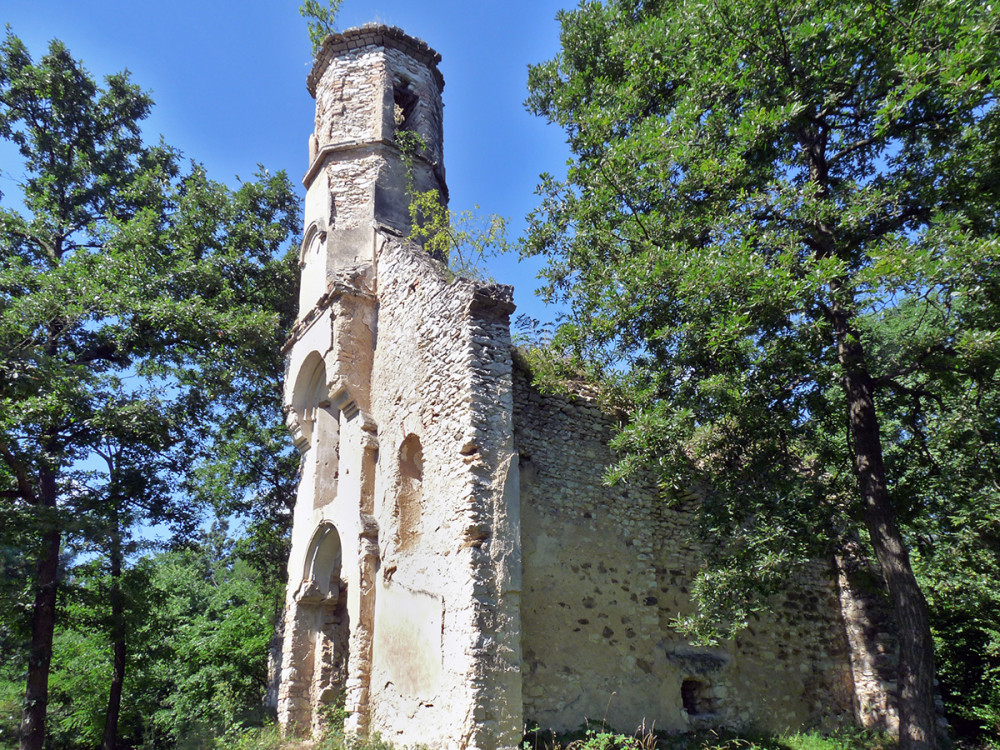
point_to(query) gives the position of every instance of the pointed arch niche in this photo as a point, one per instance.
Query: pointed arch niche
(318, 433)
(322, 627)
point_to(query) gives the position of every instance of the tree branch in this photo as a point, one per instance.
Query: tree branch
(891, 378)
(24, 485)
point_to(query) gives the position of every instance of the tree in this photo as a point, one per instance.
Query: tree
(129, 298)
(219, 617)
(779, 237)
(245, 465)
(321, 20)
(83, 665)
(198, 621)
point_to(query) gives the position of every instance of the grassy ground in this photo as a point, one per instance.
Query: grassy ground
(269, 738)
(710, 740)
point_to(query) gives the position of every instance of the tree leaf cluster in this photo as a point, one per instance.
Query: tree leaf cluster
(775, 214)
(321, 20)
(200, 620)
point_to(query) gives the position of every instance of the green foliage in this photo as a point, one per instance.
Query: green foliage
(82, 663)
(464, 238)
(647, 739)
(218, 620)
(238, 737)
(552, 368)
(321, 19)
(200, 620)
(770, 209)
(268, 737)
(142, 308)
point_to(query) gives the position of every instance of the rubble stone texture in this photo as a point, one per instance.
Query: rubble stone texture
(458, 570)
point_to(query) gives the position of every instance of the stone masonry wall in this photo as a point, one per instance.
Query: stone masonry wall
(354, 99)
(446, 652)
(351, 187)
(349, 98)
(606, 570)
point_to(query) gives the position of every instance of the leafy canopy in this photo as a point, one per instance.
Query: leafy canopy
(136, 301)
(739, 168)
(778, 236)
(142, 307)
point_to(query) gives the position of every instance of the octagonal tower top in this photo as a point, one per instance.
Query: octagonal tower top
(374, 35)
(378, 140)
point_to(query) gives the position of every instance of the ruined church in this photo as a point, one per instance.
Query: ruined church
(458, 571)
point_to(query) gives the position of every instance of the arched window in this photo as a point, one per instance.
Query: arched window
(317, 424)
(321, 574)
(312, 262)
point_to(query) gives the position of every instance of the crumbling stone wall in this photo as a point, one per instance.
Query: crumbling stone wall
(355, 82)
(607, 570)
(446, 659)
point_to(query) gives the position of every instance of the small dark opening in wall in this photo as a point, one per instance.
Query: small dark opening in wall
(404, 105)
(696, 696)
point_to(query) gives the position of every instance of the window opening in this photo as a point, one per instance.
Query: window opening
(404, 105)
(410, 495)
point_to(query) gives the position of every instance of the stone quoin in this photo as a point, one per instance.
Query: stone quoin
(458, 569)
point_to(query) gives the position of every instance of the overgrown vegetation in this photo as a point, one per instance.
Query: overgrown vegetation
(793, 247)
(267, 738)
(778, 238)
(321, 20)
(200, 619)
(464, 240)
(142, 310)
(648, 739)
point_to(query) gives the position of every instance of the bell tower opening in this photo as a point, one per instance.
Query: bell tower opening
(405, 101)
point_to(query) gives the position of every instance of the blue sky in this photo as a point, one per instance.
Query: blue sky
(228, 80)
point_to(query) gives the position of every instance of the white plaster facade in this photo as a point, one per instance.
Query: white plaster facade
(458, 569)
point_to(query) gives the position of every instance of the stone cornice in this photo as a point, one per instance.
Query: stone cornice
(337, 290)
(373, 35)
(348, 146)
(343, 147)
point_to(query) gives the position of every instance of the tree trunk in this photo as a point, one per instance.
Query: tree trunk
(917, 714)
(110, 738)
(43, 619)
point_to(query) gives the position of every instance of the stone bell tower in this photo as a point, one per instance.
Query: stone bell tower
(403, 575)
(372, 85)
